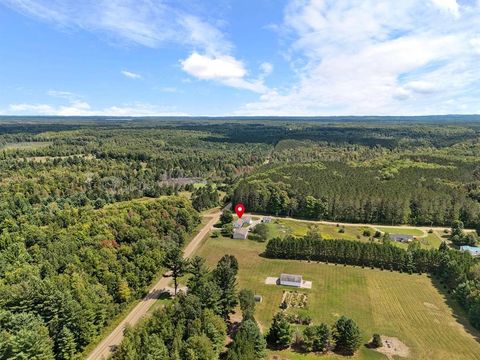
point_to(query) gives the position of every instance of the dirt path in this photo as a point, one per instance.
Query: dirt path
(106, 347)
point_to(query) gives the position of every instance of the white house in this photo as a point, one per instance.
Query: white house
(240, 233)
(291, 280)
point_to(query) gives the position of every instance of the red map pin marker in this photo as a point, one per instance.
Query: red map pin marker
(239, 209)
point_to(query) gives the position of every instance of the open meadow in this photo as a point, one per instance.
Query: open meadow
(283, 227)
(408, 307)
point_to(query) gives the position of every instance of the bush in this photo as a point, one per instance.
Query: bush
(378, 234)
(342, 230)
(376, 341)
(367, 232)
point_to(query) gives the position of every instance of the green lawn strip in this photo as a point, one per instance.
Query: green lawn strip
(401, 230)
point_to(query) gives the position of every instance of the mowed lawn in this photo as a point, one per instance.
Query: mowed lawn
(408, 307)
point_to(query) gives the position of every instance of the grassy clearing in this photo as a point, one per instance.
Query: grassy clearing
(405, 231)
(26, 145)
(408, 307)
(280, 228)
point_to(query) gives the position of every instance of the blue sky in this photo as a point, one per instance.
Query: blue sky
(250, 57)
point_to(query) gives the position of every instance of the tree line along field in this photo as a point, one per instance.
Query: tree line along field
(408, 307)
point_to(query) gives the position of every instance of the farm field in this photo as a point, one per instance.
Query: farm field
(408, 307)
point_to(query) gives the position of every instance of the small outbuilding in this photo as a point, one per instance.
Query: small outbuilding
(240, 233)
(267, 219)
(247, 220)
(401, 238)
(258, 298)
(473, 250)
(291, 280)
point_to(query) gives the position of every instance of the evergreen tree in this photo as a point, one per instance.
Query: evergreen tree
(226, 217)
(247, 303)
(225, 277)
(248, 342)
(346, 335)
(316, 338)
(280, 334)
(175, 263)
(66, 346)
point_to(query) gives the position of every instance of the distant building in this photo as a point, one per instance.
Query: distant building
(238, 224)
(247, 220)
(401, 237)
(474, 250)
(240, 233)
(267, 219)
(291, 280)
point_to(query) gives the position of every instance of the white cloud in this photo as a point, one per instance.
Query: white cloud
(208, 67)
(266, 69)
(144, 22)
(131, 75)
(223, 68)
(82, 108)
(152, 24)
(376, 57)
(450, 6)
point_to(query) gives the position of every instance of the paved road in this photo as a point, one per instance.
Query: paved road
(113, 340)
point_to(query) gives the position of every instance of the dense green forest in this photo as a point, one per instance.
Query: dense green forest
(411, 182)
(89, 207)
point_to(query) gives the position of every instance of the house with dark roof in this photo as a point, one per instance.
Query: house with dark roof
(401, 237)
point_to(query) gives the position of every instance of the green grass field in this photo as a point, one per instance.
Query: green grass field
(406, 231)
(280, 228)
(408, 307)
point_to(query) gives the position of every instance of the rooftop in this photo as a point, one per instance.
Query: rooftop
(291, 278)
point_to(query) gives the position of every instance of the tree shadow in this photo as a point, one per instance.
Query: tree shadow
(458, 312)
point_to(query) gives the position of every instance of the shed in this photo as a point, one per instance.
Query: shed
(267, 219)
(291, 280)
(240, 233)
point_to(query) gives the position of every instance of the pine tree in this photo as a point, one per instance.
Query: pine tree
(280, 334)
(225, 277)
(347, 336)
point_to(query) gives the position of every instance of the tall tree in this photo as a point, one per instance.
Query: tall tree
(247, 303)
(176, 264)
(225, 276)
(280, 333)
(346, 335)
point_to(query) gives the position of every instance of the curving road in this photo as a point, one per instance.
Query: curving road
(108, 345)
